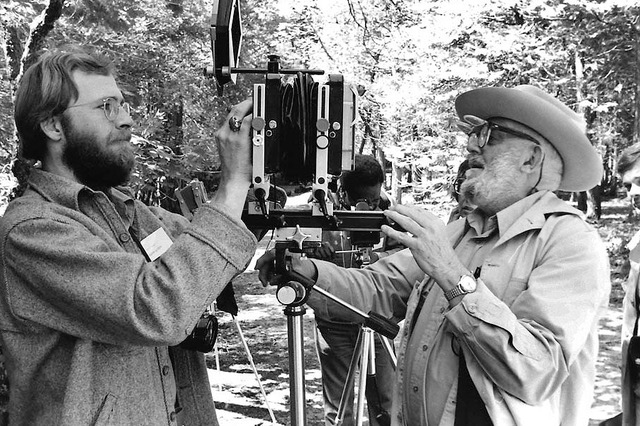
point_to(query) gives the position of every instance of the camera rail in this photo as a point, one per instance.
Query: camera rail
(339, 221)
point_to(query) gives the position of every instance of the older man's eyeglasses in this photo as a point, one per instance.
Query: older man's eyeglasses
(481, 129)
(111, 107)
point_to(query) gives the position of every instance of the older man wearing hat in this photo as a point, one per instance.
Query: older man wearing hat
(500, 308)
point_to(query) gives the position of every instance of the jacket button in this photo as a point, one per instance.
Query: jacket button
(165, 370)
(124, 237)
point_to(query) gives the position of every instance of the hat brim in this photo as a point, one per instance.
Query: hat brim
(582, 166)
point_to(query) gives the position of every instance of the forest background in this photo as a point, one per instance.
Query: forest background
(408, 58)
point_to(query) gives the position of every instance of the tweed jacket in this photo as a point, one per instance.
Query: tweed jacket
(88, 324)
(529, 331)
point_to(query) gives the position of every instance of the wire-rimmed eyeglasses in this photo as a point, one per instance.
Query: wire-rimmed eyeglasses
(111, 107)
(481, 129)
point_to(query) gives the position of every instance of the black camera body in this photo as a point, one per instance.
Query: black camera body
(203, 336)
(364, 239)
(302, 129)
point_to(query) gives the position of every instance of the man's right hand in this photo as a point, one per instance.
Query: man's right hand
(234, 148)
(267, 269)
(324, 252)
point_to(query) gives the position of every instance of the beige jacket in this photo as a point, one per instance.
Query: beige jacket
(529, 332)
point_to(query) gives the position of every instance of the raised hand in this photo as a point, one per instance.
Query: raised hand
(428, 241)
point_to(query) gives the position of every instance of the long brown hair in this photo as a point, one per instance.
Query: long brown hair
(46, 90)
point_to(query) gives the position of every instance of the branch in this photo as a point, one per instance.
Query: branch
(352, 12)
(40, 28)
(322, 45)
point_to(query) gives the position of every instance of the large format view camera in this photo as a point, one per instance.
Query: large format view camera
(302, 130)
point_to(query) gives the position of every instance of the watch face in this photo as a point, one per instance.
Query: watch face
(467, 284)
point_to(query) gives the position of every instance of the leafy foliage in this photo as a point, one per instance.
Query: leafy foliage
(411, 59)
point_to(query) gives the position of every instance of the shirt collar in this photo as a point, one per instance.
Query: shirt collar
(507, 217)
(56, 188)
(68, 193)
(504, 219)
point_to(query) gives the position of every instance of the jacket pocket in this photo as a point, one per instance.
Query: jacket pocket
(513, 290)
(104, 416)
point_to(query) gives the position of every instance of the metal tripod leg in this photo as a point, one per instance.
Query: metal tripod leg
(253, 367)
(297, 399)
(362, 356)
(380, 416)
(367, 366)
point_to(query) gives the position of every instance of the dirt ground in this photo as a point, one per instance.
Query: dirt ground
(263, 323)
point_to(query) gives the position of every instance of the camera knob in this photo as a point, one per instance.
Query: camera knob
(257, 123)
(290, 293)
(322, 142)
(322, 125)
(258, 140)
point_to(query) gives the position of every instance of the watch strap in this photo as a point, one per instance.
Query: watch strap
(453, 293)
(458, 290)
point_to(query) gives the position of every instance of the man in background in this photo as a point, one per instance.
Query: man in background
(463, 206)
(336, 340)
(629, 171)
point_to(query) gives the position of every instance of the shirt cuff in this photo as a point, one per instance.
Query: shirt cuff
(478, 312)
(478, 307)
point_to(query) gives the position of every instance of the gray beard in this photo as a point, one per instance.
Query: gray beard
(493, 189)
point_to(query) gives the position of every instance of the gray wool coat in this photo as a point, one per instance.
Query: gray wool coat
(88, 324)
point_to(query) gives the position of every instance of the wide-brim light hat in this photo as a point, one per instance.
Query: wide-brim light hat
(556, 122)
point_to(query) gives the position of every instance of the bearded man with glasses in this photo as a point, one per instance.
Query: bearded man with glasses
(98, 290)
(500, 307)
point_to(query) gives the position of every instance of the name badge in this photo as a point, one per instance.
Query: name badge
(156, 244)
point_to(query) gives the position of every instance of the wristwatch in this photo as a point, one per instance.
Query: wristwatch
(466, 284)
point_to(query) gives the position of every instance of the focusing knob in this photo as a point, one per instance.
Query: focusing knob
(257, 123)
(322, 125)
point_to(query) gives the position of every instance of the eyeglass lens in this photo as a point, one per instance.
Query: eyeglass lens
(481, 135)
(112, 108)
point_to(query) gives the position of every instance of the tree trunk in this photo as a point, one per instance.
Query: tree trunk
(396, 182)
(41, 28)
(588, 202)
(19, 58)
(383, 160)
(636, 122)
